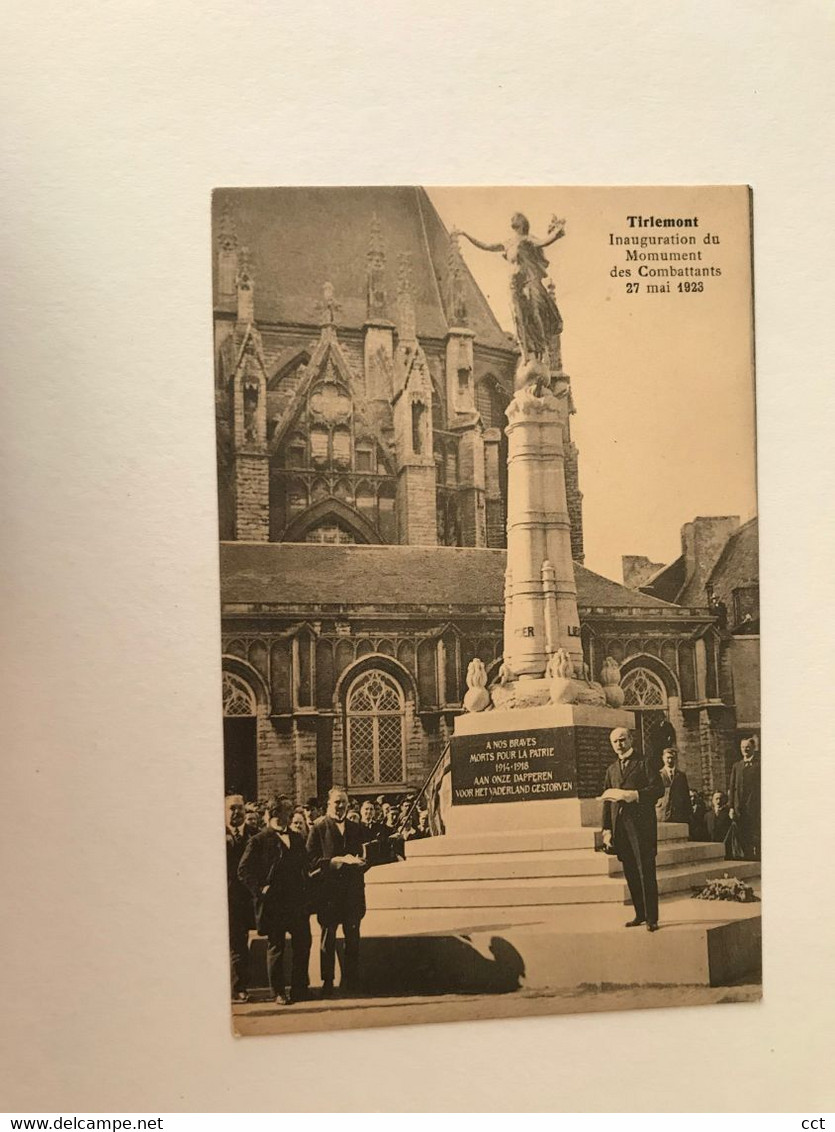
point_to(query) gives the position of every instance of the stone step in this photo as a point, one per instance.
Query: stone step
(496, 866)
(679, 878)
(537, 956)
(524, 840)
(699, 943)
(524, 891)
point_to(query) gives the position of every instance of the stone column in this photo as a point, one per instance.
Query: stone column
(537, 532)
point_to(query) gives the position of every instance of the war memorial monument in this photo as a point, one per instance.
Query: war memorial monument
(517, 891)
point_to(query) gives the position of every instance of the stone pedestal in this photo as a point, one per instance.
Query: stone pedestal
(543, 767)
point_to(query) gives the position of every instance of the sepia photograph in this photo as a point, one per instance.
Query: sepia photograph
(412, 412)
(489, 597)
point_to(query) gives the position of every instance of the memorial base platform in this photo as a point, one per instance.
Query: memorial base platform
(517, 892)
(502, 872)
(442, 951)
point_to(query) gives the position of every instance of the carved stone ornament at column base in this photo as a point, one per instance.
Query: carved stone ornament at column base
(527, 693)
(476, 698)
(524, 693)
(610, 679)
(590, 692)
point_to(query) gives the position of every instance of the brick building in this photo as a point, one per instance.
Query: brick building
(360, 386)
(719, 566)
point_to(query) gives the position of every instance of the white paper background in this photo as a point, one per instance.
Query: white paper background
(117, 122)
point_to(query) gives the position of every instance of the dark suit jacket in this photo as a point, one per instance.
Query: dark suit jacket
(378, 847)
(268, 863)
(744, 790)
(717, 825)
(240, 901)
(633, 818)
(696, 820)
(374, 832)
(675, 803)
(340, 892)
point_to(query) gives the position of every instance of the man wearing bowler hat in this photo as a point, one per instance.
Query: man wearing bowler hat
(630, 791)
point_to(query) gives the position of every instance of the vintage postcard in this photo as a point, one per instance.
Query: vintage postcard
(489, 599)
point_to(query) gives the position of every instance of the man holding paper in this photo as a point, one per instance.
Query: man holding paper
(630, 791)
(335, 852)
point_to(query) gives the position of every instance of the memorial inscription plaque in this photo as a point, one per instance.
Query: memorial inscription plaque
(537, 765)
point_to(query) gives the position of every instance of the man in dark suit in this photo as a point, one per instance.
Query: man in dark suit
(674, 805)
(698, 809)
(335, 853)
(718, 818)
(372, 830)
(241, 918)
(630, 791)
(377, 850)
(274, 870)
(744, 791)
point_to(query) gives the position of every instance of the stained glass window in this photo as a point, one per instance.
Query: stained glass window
(646, 696)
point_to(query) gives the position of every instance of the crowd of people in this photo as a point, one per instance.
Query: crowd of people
(393, 819)
(285, 862)
(732, 818)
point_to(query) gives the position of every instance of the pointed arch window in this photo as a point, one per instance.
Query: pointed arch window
(646, 696)
(643, 689)
(238, 697)
(376, 709)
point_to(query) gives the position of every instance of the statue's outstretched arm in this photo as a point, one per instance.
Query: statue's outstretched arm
(479, 244)
(552, 239)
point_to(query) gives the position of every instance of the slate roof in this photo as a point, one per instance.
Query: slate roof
(300, 574)
(739, 562)
(301, 238)
(667, 582)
